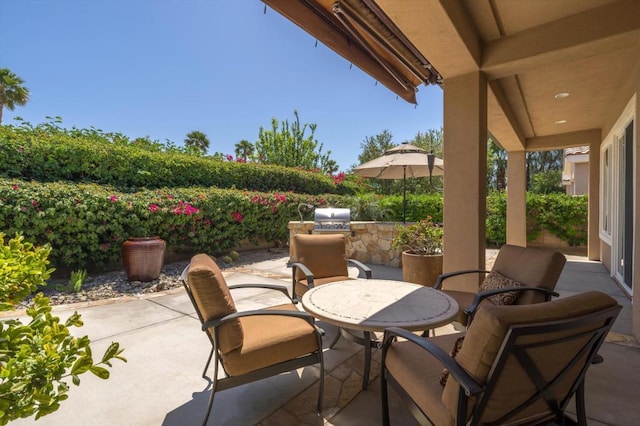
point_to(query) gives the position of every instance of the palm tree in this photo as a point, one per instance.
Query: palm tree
(244, 149)
(12, 91)
(197, 142)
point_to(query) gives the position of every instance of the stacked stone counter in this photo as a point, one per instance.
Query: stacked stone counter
(368, 242)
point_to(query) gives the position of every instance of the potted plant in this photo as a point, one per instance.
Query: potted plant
(421, 245)
(142, 253)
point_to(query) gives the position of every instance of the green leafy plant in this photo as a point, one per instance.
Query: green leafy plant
(23, 268)
(78, 279)
(423, 237)
(36, 357)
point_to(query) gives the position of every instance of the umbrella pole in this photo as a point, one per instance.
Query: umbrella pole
(404, 195)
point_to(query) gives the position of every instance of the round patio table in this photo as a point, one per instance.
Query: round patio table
(373, 305)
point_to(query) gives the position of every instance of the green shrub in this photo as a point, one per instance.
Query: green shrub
(86, 224)
(37, 357)
(566, 217)
(418, 207)
(48, 153)
(496, 221)
(23, 268)
(563, 215)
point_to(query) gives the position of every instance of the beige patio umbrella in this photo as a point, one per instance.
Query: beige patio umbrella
(401, 162)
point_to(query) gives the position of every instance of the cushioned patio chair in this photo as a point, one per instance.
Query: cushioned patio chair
(518, 364)
(249, 345)
(320, 259)
(520, 276)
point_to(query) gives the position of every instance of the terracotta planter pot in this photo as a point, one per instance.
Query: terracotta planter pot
(143, 258)
(421, 269)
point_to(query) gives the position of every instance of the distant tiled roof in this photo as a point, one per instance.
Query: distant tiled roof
(576, 150)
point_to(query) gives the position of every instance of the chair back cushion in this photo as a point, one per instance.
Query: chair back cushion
(213, 300)
(324, 254)
(532, 267)
(486, 336)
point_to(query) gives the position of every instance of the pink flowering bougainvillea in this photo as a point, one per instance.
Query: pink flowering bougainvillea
(153, 208)
(113, 198)
(339, 178)
(185, 208)
(237, 216)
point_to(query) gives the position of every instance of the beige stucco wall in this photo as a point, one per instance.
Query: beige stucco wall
(465, 148)
(516, 199)
(581, 179)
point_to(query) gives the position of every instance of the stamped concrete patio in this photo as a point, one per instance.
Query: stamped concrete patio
(166, 351)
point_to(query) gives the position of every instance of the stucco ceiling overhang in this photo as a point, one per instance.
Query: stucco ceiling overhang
(530, 51)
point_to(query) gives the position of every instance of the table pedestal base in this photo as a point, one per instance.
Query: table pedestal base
(365, 341)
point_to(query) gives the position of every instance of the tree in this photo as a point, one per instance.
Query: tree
(244, 149)
(374, 146)
(287, 145)
(430, 141)
(548, 182)
(12, 91)
(197, 143)
(496, 166)
(542, 162)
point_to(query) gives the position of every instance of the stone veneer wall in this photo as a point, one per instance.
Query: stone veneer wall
(368, 242)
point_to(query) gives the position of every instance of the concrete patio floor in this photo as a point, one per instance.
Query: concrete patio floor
(161, 383)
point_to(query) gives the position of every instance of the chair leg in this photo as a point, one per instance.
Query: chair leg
(213, 392)
(580, 408)
(206, 367)
(384, 397)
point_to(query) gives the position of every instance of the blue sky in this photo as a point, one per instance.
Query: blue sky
(162, 68)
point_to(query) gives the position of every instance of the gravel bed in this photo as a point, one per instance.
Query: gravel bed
(115, 284)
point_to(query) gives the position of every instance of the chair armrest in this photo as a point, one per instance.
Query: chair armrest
(438, 284)
(469, 384)
(364, 268)
(219, 321)
(280, 288)
(306, 271)
(471, 310)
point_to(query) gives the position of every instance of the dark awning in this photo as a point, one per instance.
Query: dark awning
(363, 34)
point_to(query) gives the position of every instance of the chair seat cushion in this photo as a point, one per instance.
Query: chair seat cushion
(419, 373)
(269, 340)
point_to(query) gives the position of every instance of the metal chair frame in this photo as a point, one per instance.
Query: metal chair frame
(220, 384)
(309, 274)
(469, 387)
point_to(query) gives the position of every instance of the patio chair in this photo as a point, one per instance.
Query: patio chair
(516, 365)
(250, 345)
(520, 276)
(320, 259)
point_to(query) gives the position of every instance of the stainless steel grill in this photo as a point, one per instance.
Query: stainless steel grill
(332, 220)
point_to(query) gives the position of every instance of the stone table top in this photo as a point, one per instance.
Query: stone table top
(373, 305)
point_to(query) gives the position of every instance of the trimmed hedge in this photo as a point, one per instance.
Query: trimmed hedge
(565, 216)
(48, 153)
(85, 224)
